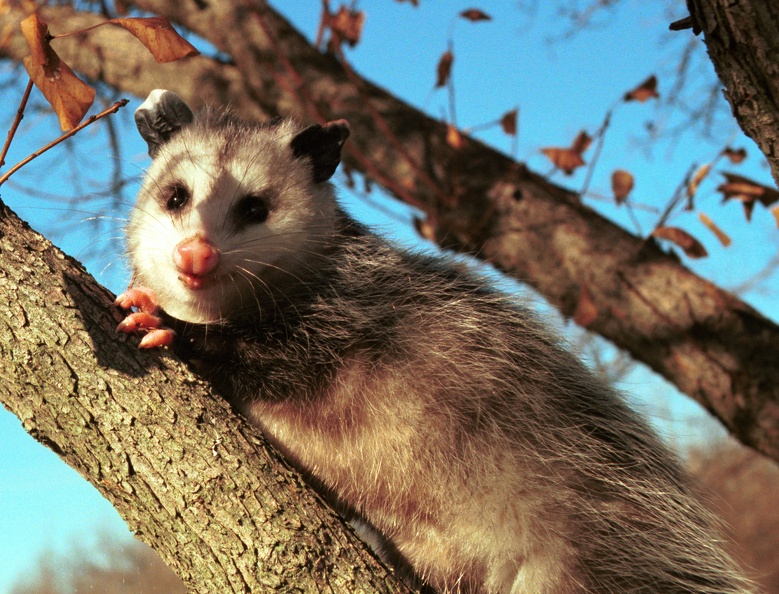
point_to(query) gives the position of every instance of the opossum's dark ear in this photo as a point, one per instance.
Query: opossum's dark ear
(322, 144)
(160, 117)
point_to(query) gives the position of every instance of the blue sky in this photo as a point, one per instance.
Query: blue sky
(560, 89)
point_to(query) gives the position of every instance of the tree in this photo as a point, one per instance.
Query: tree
(63, 367)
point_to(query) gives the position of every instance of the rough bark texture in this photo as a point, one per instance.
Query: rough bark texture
(710, 344)
(742, 38)
(189, 477)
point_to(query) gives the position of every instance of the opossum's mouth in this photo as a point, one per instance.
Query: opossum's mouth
(193, 282)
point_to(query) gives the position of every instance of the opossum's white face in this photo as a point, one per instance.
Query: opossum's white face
(227, 216)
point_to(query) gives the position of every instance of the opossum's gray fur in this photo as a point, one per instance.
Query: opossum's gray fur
(437, 410)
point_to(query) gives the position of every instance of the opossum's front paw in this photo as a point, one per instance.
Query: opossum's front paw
(156, 335)
(145, 319)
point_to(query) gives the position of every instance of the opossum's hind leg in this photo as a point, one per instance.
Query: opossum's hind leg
(145, 319)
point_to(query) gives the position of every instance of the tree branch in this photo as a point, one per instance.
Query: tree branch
(189, 476)
(62, 138)
(17, 120)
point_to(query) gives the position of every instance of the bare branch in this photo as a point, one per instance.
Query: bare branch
(89, 121)
(16, 122)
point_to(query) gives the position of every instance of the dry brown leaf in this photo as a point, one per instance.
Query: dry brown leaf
(749, 206)
(568, 159)
(69, 96)
(444, 69)
(425, 228)
(348, 23)
(474, 15)
(509, 122)
(36, 31)
(723, 237)
(454, 138)
(407, 182)
(586, 311)
(159, 37)
(621, 184)
(691, 246)
(743, 188)
(741, 191)
(701, 173)
(582, 142)
(747, 191)
(413, 2)
(775, 212)
(736, 156)
(643, 92)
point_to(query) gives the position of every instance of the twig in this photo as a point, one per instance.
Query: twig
(633, 218)
(17, 121)
(677, 197)
(92, 119)
(450, 92)
(599, 139)
(635, 205)
(323, 23)
(80, 31)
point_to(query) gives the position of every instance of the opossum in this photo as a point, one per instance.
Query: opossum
(436, 411)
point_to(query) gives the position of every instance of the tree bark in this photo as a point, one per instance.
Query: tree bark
(742, 38)
(191, 478)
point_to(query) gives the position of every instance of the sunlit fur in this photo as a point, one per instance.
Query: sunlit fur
(244, 163)
(412, 395)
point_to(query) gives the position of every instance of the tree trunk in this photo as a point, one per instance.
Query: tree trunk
(190, 478)
(743, 42)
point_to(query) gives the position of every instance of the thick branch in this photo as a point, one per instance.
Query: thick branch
(189, 477)
(711, 345)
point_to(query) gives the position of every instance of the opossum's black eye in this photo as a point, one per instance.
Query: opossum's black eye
(251, 210)
(178, 196)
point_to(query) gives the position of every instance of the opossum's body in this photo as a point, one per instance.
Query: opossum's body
(417, 399)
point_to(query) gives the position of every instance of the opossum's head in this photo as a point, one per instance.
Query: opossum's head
(230, 215)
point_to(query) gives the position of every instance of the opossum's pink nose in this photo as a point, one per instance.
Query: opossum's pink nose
(196, 256)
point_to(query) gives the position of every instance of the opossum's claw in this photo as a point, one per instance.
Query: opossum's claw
(139, 321)
(158, 337)
(145, 319)
(143, 299)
